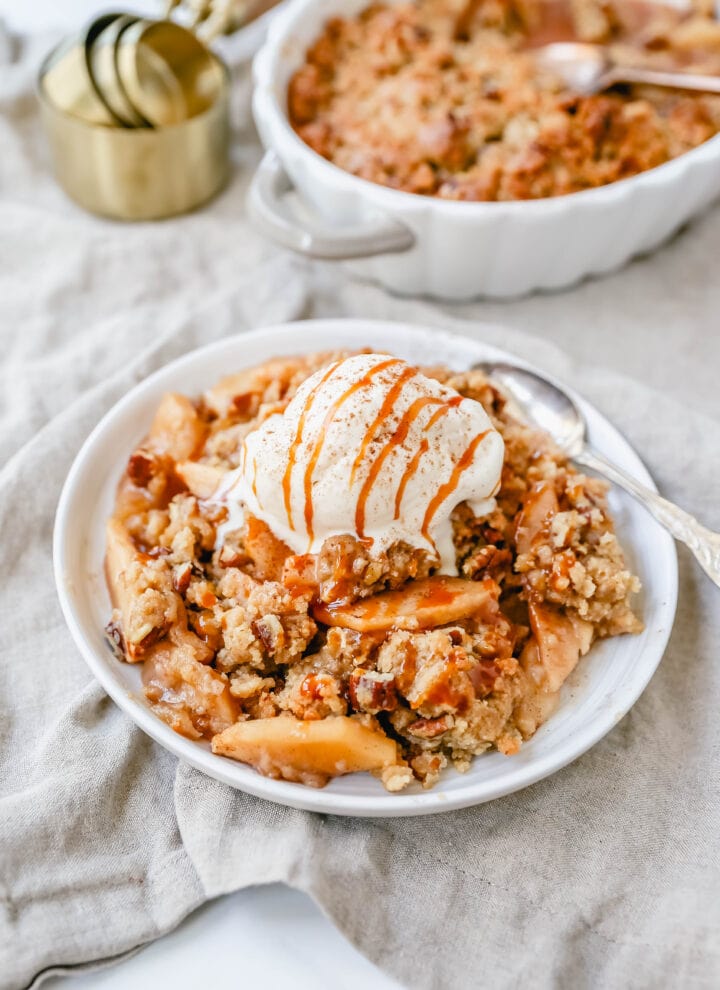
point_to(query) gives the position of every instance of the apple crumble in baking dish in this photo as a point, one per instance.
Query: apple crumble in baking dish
(341, 562)
(443, 97)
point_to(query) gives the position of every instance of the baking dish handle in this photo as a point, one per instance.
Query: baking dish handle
(266, 206)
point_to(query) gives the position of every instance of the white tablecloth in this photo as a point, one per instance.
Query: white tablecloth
(605, 875)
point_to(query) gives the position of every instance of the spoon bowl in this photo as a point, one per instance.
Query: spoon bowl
(582, 67)
(544, 403)
(541, 402)
(588, 69)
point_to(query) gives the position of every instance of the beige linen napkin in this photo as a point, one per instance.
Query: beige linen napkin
(606, 875)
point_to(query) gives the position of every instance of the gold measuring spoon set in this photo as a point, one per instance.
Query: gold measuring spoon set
(136, 111)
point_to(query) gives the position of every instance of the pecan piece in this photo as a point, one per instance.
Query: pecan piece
(269, 630)
(181, 577)
(488, 558)
(372, 692)
(114, 634)
(232, 557)
(429, 728)
(153, 637)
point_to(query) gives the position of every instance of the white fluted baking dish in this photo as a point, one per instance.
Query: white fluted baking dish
(416, 244)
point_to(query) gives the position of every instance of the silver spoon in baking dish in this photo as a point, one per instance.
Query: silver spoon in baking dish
(548, 406)
(590, 69)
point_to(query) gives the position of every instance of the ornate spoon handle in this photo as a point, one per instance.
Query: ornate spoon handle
(704, 544)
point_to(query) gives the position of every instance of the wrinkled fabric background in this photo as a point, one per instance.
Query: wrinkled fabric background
(605, 875)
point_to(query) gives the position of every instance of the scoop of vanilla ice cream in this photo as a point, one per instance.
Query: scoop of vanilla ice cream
(369, 447)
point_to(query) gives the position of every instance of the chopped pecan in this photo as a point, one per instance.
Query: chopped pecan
(153, 637)
(429, 728)
(269, 630)
(489, 558)
(181, 577)
(372, 692)
(114, 633)
(232, 557)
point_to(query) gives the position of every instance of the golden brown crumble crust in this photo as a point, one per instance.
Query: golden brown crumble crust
(441, 98)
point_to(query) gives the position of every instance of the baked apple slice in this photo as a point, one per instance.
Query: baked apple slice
(561, 640)
(176, 430)
(309, 752)
(202, 480)
(548, 659)
(424, 604)
(264, 549)
(141, 591)
(192, 697)
(538, 509)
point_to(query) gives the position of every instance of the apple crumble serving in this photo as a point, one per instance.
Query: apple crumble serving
(444, 98)
(341, 562)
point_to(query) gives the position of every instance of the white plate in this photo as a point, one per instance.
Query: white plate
(602, 689)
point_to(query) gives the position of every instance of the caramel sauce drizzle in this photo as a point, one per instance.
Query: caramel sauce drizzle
(329, 416)
(450, 404)
(295, 445)
(451, 484)
(396, 440)
(385, 409)
(254, 478)
(409, 472)
(412, 467)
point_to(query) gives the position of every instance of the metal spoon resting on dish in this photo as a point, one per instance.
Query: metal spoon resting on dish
(588, 69)
(545, 404)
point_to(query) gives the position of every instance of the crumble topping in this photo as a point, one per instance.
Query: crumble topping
(307, 666)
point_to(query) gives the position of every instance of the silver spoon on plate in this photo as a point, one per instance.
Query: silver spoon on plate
(549, 407)
(588, 69)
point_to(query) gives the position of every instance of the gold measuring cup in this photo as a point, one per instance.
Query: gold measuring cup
(100, 50)
(137, 117)
(167, 74)
(138, 173)
(67, 77)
